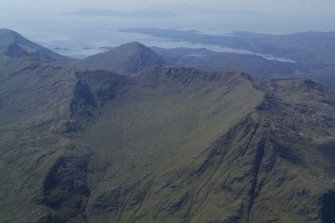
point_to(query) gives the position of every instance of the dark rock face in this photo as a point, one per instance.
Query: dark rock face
(328, 207)
(65, 189)
(108, 91)
(15, 51)
(51, 219)
(83, 104)
(67, 127)
(66, 177)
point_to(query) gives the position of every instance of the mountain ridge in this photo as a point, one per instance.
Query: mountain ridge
(15, 45)
(163, 144)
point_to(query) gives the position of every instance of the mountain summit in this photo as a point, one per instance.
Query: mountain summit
(14, 45)
(9, 37)
(125, 59)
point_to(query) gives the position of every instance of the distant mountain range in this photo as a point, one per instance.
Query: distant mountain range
(308, 47)
(127, 136)
(108, 12)
(155, 10)
(312, 52)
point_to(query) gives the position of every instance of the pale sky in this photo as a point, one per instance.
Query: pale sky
(313, 7)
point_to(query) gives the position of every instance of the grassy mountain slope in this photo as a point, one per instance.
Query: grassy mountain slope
(172, 145)
(167, 144)
(257, 164)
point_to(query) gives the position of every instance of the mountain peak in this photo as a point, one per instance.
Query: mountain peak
(12, 44)
(133, 45)
(7, 31)
(133, 48)
(126, 59)
(9, 37)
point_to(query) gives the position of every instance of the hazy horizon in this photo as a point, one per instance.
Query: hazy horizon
(62, 24)
(296, 7)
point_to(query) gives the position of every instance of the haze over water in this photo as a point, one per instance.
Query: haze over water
(81, 35)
